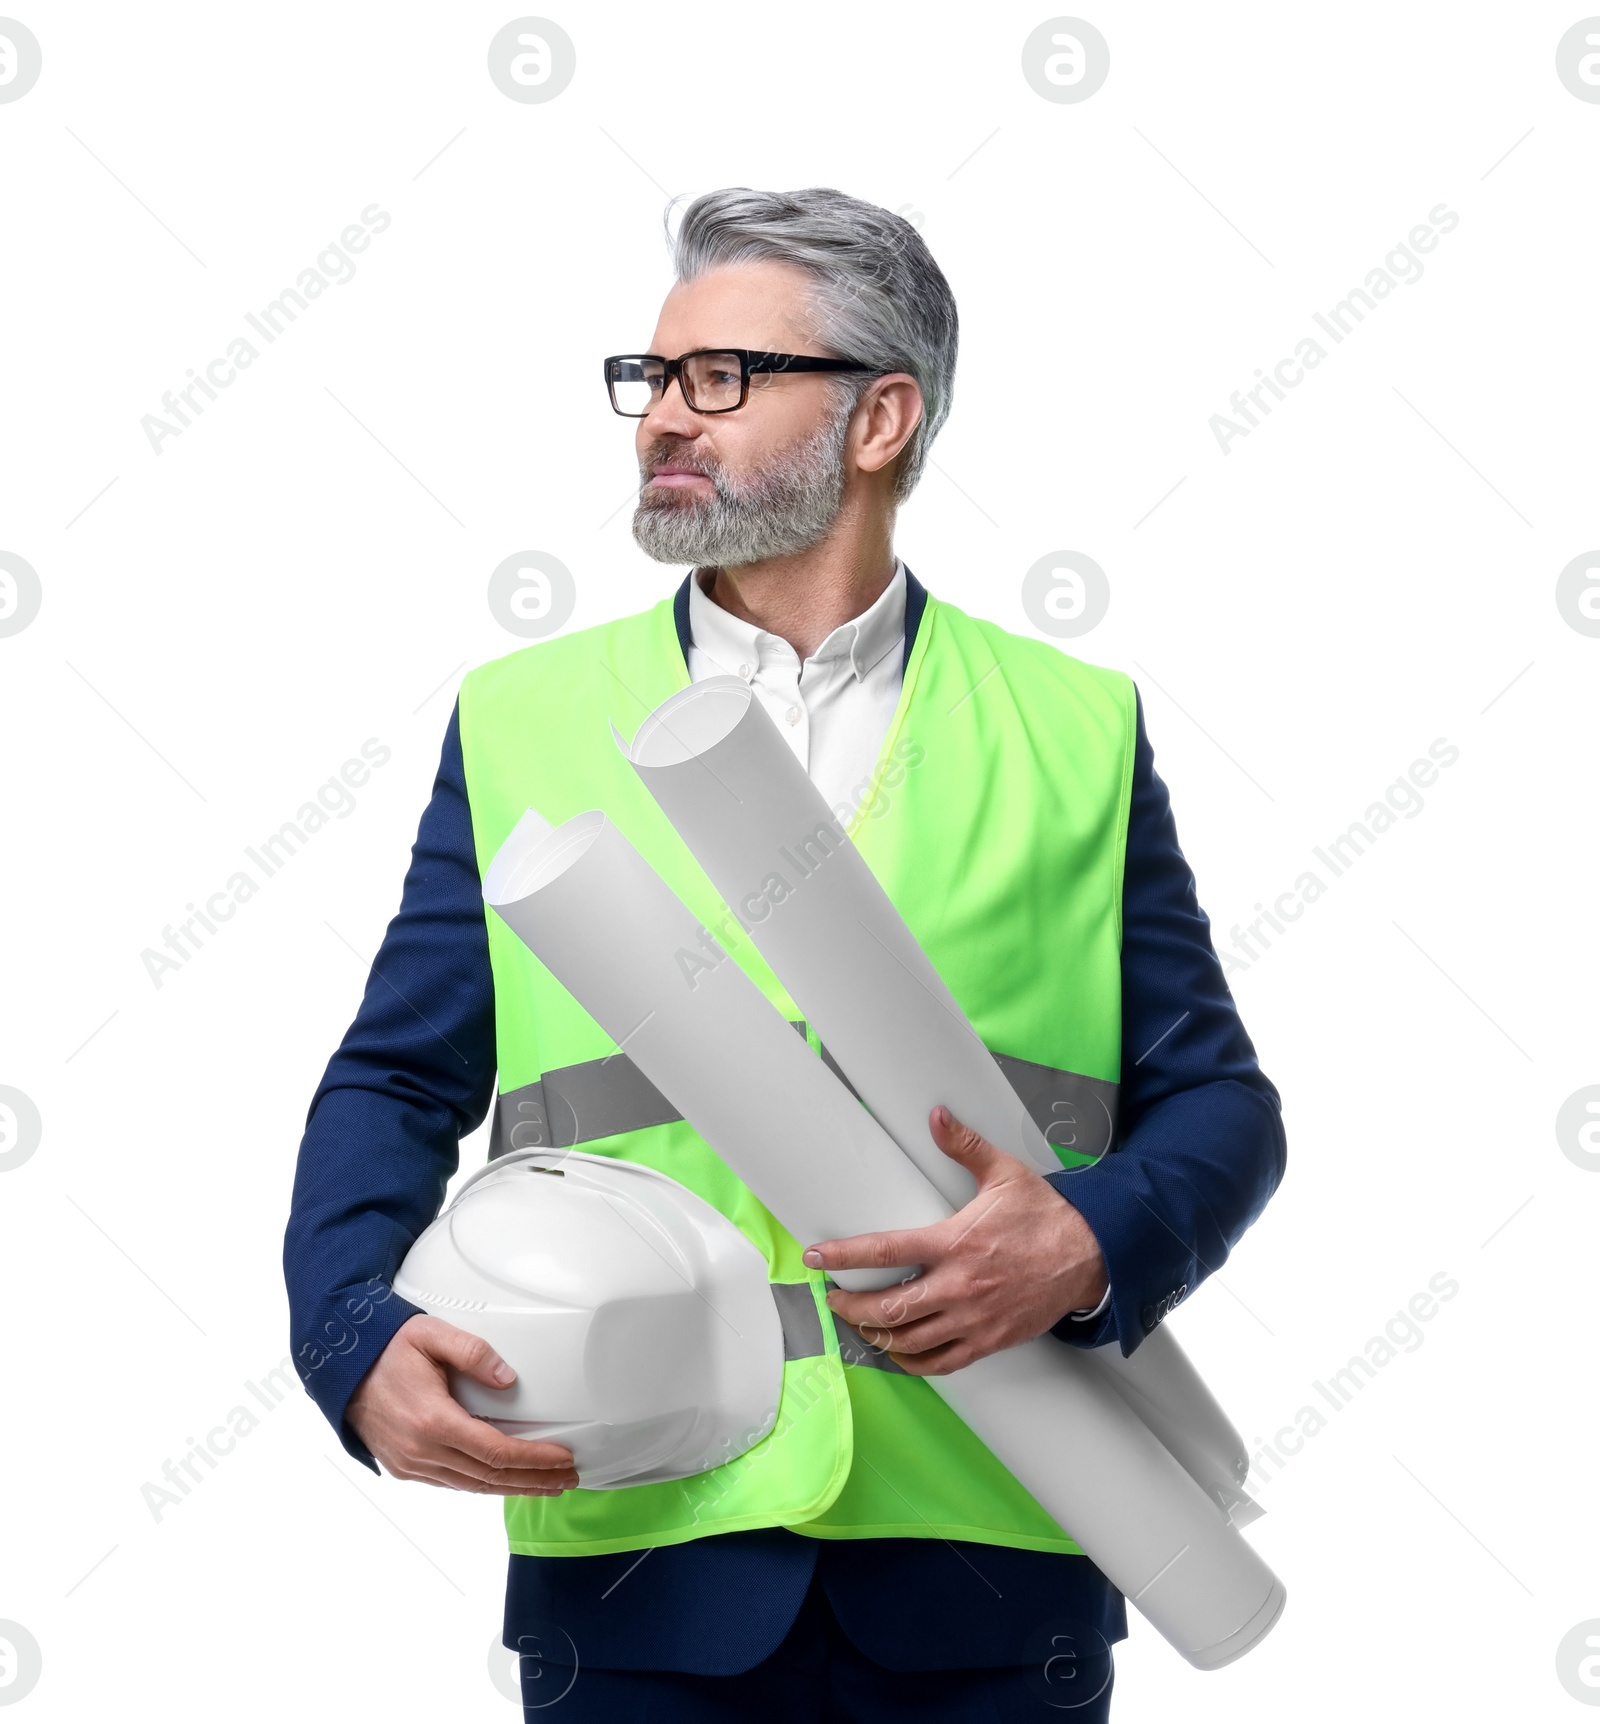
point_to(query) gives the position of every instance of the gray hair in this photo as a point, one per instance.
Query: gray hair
(880, 298)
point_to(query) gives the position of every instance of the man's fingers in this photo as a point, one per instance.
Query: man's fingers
(920, 1297)
(445, 1477)
(449, 1434)
(873, 1251)
(475, 1446)
(469, 1354)
(513, 1481)
(922, 1336)
(937, 1361)
(961, 1143)
(501, 1464)
(494, 1449)
(500, 1481)
(403, 1410)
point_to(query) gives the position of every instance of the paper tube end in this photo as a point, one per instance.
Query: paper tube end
(688, 724)
(505, 879)
(1242, 1640)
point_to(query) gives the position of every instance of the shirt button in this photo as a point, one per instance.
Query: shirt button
(793, 715)
(744, 671)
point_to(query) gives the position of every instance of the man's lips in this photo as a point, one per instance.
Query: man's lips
(678, 478)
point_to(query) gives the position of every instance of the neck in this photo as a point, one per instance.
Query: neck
(804, 598)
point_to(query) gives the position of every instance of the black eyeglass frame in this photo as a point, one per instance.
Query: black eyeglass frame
(750, 360)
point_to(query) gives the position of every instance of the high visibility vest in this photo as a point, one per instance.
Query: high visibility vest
(997, 823)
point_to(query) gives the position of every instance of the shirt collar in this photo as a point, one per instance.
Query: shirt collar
(864, 640)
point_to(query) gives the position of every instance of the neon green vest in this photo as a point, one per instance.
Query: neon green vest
(997, 826)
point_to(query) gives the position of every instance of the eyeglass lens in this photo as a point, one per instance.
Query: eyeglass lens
(711, 382)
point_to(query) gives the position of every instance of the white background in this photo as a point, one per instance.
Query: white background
(1368, 571)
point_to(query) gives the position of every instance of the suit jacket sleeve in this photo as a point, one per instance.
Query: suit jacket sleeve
(413, 1075)
(1201, 1143)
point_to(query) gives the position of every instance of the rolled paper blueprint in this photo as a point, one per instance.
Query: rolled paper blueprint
(1160, 1383)
(612, 931)
(594, 912)
(1057, 1424)
(732, 788)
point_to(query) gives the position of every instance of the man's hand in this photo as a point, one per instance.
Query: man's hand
(1008, 1266)
(404, 1412)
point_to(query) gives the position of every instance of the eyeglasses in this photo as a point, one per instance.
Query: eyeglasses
(713, 379)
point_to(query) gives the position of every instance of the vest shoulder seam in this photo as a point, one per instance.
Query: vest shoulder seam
(519, 659)
(1045, 652)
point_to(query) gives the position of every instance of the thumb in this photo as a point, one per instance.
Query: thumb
(469, 1354)
(961, 1143)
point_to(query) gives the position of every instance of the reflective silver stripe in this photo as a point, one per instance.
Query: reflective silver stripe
(838, 1071)
(577, 1104)
(802, 1330)
(802, 1327)
(606, 1097)
(1074, 1112)
(855, 1349)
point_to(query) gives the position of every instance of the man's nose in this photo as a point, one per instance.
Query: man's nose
(671, 416)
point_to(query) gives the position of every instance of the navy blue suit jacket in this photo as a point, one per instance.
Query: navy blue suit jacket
(1201, 1149)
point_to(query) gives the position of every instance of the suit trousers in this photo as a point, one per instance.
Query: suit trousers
(818, 1676)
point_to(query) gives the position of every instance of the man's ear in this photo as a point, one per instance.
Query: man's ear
(889, 412)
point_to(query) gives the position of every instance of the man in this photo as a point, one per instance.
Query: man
(799, 370)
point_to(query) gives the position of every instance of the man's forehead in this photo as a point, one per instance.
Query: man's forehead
(757, 305)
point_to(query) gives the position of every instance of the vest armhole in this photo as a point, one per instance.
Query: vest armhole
(466, 729)
(1128, 703)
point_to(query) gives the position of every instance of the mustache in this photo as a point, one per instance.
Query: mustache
(667, 451)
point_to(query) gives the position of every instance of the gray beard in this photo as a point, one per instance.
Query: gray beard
(782, 509)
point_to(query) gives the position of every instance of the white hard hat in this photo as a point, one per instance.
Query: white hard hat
(639, 1320)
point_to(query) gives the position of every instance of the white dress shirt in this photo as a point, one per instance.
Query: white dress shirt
(833, 708)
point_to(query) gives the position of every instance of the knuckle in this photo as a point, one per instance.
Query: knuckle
(423, 1332)
(475, 1351)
